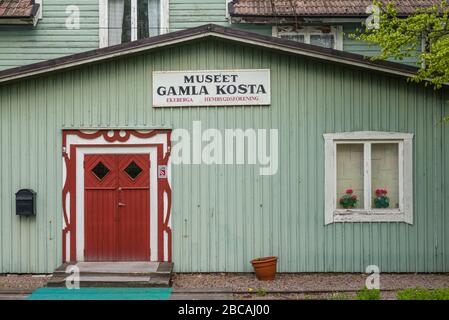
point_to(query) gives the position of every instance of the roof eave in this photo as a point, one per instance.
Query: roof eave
(308, 16)
(22, 20)
(198, 33)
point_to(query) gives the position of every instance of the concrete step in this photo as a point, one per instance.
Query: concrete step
(116, 274)
(118, 268)
(107, 281)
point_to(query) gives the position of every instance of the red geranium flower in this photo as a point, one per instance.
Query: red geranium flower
(380, 192)
(349, 191)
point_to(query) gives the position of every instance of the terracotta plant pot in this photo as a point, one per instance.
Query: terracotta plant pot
(265, 267)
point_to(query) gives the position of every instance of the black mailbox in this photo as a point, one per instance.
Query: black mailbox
(26, 203)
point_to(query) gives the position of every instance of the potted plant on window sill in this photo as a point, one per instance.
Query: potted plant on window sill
(349, 199)
(381, 201)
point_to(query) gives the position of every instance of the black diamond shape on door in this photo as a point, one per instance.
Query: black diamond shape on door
(133, 170)
(100, 170)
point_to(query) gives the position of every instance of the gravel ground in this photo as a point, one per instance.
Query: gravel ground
(388, 295)
(22, 282)
(307, 282)
(332, 286)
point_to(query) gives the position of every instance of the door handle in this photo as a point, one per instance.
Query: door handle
(121, 204)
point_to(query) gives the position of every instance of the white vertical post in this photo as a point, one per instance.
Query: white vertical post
(103, 23)
(39, 16)
(165, 17)
(401, 175)
(330, 181)
(133, 20)
(367, 175)
(227, 10)
(408, 179)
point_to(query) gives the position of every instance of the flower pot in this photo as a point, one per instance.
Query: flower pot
(265, 267)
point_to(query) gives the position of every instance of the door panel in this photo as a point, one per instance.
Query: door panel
(100, 221)
(100, 208)
(117, 207)
(134, 198)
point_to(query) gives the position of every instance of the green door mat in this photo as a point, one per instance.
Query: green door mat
(101, 294)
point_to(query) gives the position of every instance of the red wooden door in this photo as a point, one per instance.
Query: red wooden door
(117, 207)
(134, 207)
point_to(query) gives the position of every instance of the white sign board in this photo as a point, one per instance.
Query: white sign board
(211, 88)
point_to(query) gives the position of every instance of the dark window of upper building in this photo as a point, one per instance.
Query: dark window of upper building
(130, 20)
(323, 36)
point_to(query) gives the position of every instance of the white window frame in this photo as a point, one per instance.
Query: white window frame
(103, 20)
(367, 214)
(307, 31)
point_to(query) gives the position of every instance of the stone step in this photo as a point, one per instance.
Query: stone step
(115, 281)
(118, 268)
(116, 274)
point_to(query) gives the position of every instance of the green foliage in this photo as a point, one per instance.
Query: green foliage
(399, 38)
(339, 296)
(423, 294)
(368, 294)
(382, 202)
(261, 292)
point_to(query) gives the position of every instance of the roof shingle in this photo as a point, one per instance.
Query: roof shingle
(17, 8)
(321, 8)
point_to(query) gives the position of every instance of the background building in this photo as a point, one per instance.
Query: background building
(37, 30)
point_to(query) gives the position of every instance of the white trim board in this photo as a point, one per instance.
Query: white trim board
(115, 148)
(368, 214)
(103, 23)
(39, 14)
(228, 16)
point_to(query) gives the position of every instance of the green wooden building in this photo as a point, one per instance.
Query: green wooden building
(126, 151)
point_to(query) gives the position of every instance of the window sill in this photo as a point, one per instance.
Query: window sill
(367, 212)
(375, 215)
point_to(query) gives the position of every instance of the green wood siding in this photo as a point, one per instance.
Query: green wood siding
(20, 45)
(191, 13)
(223, 216)
(365, 48)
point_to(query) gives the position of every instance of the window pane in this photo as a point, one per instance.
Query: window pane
(154, 14)
(293, 37)
(100, 170)
(133, 170)
(143, 29)
(385, 174)
(119, 21)
(350, 173)
(323, 40)
(148, 18)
